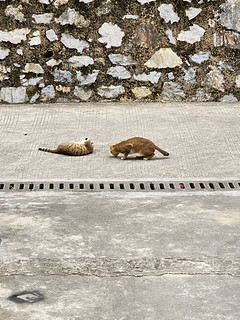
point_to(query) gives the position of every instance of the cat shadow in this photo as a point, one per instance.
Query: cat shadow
(138, 158)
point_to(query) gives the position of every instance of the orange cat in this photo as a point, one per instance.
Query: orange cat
(73, 148)
(144, 147)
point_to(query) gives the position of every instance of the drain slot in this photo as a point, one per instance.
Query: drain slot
(221, 185)
(152, 186)
(161, 186)
(142, 187)
(211, 185)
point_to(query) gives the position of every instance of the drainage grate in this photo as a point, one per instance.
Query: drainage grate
(125, 185)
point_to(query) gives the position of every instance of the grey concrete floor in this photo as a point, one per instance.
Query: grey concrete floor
(120, 255)
(202, 139)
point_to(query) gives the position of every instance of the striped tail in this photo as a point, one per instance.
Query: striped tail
(165, 153)
(48, 150)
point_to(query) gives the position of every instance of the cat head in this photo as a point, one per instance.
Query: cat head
(88, 142)
(113, 151)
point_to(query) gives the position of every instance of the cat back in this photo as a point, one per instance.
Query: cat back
(142, 146)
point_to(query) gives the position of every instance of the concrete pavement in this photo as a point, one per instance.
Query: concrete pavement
(202, 139)
(120, 255)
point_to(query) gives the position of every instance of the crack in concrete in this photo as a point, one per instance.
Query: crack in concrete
(110, 267)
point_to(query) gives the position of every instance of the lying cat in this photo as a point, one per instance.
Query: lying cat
(144, 147)
(73, 148)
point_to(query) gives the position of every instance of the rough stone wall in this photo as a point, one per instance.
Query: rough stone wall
(119, 50)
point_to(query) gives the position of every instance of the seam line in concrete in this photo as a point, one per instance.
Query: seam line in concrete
(110, 267)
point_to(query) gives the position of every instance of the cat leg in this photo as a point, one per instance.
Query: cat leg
(125, 155)
(126, 150)
(148, 157)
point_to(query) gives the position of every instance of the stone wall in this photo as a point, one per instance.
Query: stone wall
(119, 50)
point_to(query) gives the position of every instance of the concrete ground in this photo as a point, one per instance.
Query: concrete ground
(202, 139)
(120, 255)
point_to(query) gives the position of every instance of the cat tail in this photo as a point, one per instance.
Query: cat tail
(165, 153)
(48, 150)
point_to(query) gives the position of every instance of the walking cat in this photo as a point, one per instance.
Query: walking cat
(144, 147)
(73, 148)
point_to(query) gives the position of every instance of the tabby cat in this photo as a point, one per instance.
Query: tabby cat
(73, 148)
(144, 147)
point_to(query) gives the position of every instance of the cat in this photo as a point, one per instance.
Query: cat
(73, 148)
(144, 147)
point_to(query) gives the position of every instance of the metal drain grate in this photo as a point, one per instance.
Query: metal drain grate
(127, 186)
